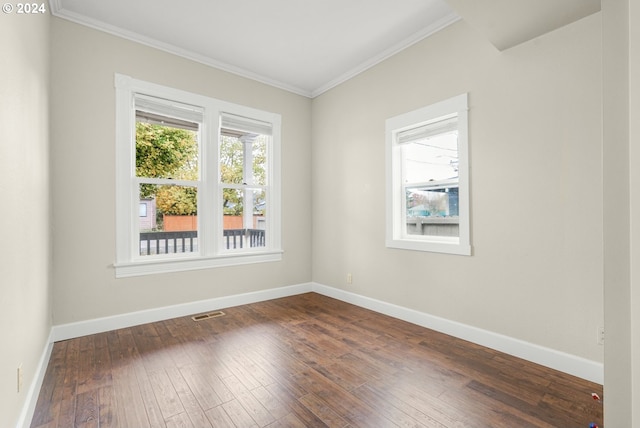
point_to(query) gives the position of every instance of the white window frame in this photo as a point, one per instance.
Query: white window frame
(396, 236)
(210, 252)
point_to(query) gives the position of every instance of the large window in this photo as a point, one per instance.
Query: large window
(209, 172)
(427, 179)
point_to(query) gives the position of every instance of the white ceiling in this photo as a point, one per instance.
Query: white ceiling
(309, 46)
(304, 46)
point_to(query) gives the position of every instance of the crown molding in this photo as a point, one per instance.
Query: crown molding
(387, 53)
(58, 11)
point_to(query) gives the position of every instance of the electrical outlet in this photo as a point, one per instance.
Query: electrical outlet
(20, 378)
(349, 279)
(600, 335)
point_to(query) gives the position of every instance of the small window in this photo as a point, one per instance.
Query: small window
(197, 181)
(427, 179)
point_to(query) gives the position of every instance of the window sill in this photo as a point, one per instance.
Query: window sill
(156, 266)
(431, 246)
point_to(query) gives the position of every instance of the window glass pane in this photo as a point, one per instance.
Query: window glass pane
(432, 211)
(431, 159)
(260, 160)
(259, 203)
(171, 224)
(166, 151)
(233, 219)
(243, 224)
(240, 155)
(430, 168)
(231, 160)
(257, 236)
(232, 200)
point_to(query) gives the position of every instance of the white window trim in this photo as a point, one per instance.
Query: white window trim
(394, 197)
(128, 262)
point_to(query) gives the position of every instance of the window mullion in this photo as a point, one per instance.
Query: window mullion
(135, 222)
(166, 181)
(247, 180)
(402, 173)
(208, 217)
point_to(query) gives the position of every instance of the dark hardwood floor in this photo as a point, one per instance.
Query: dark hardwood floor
(302, 361)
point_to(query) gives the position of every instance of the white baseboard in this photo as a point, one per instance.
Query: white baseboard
(567, 363)
(31, 399)
(571, 364)
(99, 325)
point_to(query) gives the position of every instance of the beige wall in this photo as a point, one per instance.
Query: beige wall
(83, 149)
(621, 153)
(634, 180)
(25, 315)
(536, 191)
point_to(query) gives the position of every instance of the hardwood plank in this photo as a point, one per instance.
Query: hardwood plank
(240, 373)
(67, 410)
(350, 407)
(181, 420)
(188, 400)
(249, 402)
(275, 362)
(398, 413)
(165, 394)
(289, 421)
(87, 412)
(301, 412)
(238, 414)
(274, 406)
(151, 407)
(107, 414)
(395, 408)
(130, 404)
(251, 368)
(219, 418)
(438, 408)
(301, 361)
(48, 404)
(323, 411)
(506, 410)
(101, 375)
(86, 364)
(201, 389)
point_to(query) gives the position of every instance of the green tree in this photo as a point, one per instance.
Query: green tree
(165, 152)
(232, 170)
(177, 200)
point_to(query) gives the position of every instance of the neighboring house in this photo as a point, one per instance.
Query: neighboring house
(147, 214)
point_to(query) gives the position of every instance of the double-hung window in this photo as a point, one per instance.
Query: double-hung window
(427, 179)
(206, 172)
